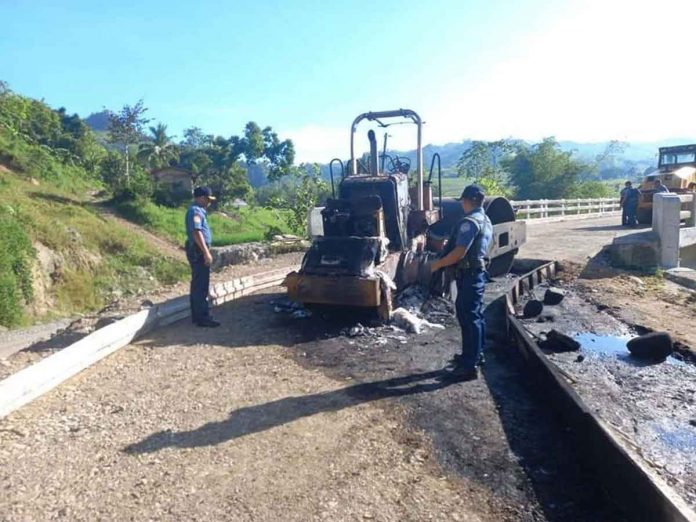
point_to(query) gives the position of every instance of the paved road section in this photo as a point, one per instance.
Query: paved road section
(572, 240)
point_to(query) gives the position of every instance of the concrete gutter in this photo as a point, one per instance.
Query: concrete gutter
(682, 276)
(630, 483)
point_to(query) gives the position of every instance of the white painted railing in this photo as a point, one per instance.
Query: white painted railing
(557, 208)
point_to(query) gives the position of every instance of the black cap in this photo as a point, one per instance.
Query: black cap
(473, 192)
(200, 192)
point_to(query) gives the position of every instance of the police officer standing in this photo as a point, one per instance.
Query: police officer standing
(199, 239)
(629, 201)
(466, 252)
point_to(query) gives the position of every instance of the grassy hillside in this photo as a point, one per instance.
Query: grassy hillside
(79, 260)
(242, 225)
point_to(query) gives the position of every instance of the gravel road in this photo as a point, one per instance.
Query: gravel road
(270, 418)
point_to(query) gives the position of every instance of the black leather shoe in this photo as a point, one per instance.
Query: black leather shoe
(461, 374)
(208, 323)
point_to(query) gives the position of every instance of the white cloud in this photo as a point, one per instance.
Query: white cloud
(598, 70)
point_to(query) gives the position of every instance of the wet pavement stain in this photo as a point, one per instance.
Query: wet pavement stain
(614, 346)
(603, 345)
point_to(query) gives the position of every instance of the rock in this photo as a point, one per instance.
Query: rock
(147, 304)
(558, 342)
(654, 346)
(580, 358)
(34, 182)
(356, 330)
(533, 308)
(553, 296)
(636, 280)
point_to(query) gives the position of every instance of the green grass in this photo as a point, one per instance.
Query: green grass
(243, 225)
(95, 257)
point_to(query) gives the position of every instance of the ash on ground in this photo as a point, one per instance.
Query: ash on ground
(650, 406)
(414, 312)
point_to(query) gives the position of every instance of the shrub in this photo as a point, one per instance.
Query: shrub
(16, 255)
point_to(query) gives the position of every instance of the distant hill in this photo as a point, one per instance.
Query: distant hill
(635, 158)
(98, 121)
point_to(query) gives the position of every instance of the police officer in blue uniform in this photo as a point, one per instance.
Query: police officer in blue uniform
(466, 253)
(199, 239)
(629, 200)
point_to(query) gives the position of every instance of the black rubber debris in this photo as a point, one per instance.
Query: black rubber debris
(654, 346)
(553, 296)
(558, 342)
(533, 308)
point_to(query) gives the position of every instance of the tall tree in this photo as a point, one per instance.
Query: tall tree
(126, 128)
(159, 150)
(543, 170)
(482, 163)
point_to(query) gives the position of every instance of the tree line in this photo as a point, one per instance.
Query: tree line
(513, 168)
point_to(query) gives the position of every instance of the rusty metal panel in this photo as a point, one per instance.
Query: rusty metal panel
(334, 290)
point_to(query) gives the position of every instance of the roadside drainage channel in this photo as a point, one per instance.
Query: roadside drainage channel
(627, 474)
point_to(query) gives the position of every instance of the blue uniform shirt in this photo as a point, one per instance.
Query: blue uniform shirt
(197, 219)
(632, 195)
(469, 228)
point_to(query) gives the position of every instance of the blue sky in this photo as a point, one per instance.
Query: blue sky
(576, 69)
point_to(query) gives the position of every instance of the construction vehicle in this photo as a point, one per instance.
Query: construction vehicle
(377, 236)
(676, 168)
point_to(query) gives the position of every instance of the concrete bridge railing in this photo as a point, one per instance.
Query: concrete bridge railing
(559, 208)
(674, 224)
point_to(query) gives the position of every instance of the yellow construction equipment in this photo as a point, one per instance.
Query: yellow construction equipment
(676, 168)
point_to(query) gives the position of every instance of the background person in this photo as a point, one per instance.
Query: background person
(199, 239)
(467, 254)
(659, 186)
(622, 199)
(630, 205)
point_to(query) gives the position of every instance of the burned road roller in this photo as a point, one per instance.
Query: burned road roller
(376, 236)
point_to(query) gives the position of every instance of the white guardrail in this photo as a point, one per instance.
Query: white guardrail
(557, 208)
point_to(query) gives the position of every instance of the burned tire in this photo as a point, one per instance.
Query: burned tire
(501, 265)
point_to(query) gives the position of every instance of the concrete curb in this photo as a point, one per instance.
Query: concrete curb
(26, 385)
(682, 276)
(631, 484)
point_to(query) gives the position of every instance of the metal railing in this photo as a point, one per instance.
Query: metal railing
(555, 208)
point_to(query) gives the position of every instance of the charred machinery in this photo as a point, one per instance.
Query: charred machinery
(376, 235)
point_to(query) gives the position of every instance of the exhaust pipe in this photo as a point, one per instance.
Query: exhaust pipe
(374, 169)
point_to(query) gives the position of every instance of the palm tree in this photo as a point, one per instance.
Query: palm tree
(159, 150)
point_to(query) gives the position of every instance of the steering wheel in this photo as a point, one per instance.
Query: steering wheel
(398, 164)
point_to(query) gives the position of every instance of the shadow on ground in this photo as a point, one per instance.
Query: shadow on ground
(605, 228)
(258, 418)
(497, 431)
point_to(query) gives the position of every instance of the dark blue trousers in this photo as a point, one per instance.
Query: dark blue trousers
(469, 306)
(630, 211)
(200, 281)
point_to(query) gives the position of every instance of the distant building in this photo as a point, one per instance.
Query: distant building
(173, 185)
